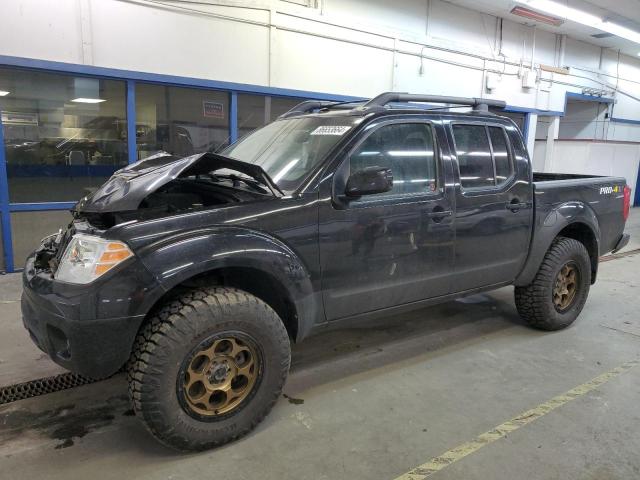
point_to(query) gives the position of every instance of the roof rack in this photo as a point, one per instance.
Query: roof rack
(313, 105)
(379, 102)
(480, 104)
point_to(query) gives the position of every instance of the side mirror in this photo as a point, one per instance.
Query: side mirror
(369, 181)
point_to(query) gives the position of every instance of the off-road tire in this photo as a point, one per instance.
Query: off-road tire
(168, 337)
(535, 301)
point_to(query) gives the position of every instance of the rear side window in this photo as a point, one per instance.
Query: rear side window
(483, 156)
(407, 149)
(474, 156)
(500, 154)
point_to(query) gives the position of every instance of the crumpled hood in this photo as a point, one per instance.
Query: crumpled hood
(127, 187)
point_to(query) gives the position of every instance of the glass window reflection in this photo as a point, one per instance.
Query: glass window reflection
(64, 135)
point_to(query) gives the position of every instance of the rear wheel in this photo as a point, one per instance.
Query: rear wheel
(559, 290)
(208, 367)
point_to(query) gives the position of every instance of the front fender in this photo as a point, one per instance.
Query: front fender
(546, 229)
(176, 259)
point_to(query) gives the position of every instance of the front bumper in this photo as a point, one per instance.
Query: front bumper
(88, 329)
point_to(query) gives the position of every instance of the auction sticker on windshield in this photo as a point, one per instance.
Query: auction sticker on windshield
(330, 130)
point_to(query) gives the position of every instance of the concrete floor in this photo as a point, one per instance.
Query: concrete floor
(374, 401)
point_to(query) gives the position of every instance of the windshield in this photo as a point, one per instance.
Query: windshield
(289, 149)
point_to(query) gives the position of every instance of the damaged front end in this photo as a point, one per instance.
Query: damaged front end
(156, 187)
(163, 185)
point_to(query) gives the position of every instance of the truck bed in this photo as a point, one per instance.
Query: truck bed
(546, 177)
(604, 196)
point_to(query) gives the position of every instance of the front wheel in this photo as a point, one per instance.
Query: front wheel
(560, 288)
(208, 367)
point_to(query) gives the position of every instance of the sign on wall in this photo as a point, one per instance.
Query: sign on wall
(212, 109)
(19, 118)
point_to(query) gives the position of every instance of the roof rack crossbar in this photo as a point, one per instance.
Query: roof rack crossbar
(481, 104)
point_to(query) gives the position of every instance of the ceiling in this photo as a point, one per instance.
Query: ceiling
(624, 12)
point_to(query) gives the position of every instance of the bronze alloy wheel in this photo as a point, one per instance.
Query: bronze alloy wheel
(219, 375)
(566, 286)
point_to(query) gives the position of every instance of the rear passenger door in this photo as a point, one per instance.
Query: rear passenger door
(391, 248)
(493, 204)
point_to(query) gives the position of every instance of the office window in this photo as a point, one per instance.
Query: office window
(474, 156)
(283, 105)
(500, 154)
(64, 135)
(252, 113)
(407, 149)
(255, 111)
(181, 121)
(28, 228)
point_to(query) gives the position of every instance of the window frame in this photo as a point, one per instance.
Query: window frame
(343, 170)
(89, 175)
(497, 187)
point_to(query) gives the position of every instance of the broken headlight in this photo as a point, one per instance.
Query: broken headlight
(88, 257)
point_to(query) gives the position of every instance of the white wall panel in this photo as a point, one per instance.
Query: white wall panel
(582, 54)
(538, 155)
(594, 158)
(310, 63)
(38, 29)
(545, 47)
(403, 16)
(472, 31)
(517, 41)
(438, 78)
(628, 69)
(194, 44)
(584, 120)
(623, 132)
(163, 41)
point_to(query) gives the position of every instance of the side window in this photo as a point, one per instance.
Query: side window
(500, 154)
(474, 156)
(407, 149)
(478, 167)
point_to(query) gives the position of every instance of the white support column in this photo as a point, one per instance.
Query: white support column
(552, 135)
(273, 38)
(530, 128)
(86, 34)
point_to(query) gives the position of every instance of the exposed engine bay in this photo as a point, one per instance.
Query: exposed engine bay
(162, 185)
(179, 195)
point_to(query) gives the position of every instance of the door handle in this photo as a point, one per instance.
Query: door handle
(515, 205)
(438, 214)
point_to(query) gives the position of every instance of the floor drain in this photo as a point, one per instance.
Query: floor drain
(41, 386)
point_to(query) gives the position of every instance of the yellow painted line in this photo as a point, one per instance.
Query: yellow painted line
(440, 462)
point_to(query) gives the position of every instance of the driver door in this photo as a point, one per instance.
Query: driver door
(392, 248)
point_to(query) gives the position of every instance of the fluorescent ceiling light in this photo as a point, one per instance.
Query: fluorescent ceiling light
(3, 93)
(560, 10)
(88, 100)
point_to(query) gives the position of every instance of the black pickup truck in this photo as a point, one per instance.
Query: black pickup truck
(196, 273)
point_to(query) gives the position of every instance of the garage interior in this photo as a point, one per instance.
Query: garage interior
(459, 390)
